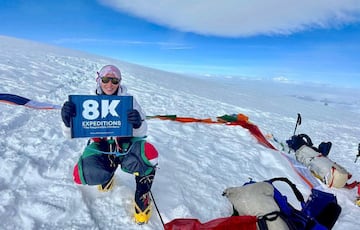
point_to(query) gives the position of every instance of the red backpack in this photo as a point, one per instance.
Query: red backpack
(226, 223)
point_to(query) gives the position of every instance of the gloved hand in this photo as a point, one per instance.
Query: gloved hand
(104, 145)
(134, 118)
(324, 148)
(67, 112)
(295, 142)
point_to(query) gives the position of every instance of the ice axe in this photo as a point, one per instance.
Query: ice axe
(358, 155)
(298, 122)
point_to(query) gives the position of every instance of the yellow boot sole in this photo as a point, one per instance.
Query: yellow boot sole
(108, 187)
(142, 217)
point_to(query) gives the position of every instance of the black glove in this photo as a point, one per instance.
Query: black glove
(324, 148)
(134, 118)
(295, 142)
(104, 145)
(67, 112)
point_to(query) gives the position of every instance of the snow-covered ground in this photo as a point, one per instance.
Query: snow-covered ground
(197, 161)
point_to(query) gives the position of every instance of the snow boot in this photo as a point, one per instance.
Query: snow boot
(357, 201)
(108, 186)
(143, 215)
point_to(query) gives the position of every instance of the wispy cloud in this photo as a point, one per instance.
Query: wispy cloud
(234, 18)
(282, 79)
(162, 45)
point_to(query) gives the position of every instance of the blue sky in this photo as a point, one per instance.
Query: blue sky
(316, 41)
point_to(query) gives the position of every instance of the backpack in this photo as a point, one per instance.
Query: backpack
(316, 160)
(265, 201)
(223, 223)
(296, 141)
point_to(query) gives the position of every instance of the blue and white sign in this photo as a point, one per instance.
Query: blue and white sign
(101, 116)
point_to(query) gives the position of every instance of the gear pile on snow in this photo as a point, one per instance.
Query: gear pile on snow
(316, 160)
(265, 201)
(260, 205)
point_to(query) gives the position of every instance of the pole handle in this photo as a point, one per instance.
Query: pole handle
(298, 122)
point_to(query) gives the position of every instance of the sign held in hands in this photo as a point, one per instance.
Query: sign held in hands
(101, 116)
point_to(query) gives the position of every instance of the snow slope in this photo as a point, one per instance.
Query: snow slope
(197, 161)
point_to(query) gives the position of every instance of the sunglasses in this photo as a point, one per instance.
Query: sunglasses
(114, 81)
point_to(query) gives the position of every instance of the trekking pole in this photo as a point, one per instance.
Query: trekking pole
(152, 197)
(298, 122)
(358, 155)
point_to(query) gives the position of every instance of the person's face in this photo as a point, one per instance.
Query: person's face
(109, 84)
